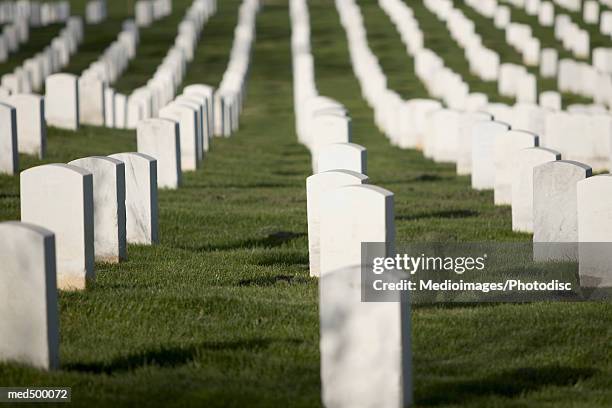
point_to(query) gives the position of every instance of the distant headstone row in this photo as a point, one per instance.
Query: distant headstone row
(35, 13)
(148, 11)
(99, 104)
(232, 89)
(146, 101)
(343, 211)
(589, 79)
(30, 76)
(88, 99)
(95, 11)
(71, 215)
(91, 208)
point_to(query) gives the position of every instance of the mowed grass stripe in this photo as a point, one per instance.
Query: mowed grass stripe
(498, 355)
(222, 312)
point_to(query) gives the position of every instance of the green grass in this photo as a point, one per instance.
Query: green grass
(223, 314)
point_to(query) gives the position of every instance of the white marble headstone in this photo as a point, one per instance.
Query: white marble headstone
(62, 101)
(484, 135)
(140, 197)
(29, 323)
(507, 145)
(347, 156)
(31, 125)
(555, 214)
(318, 185)
(159, 138)
(9, 156)
(109, 206)
(59, 197)
(522, 184)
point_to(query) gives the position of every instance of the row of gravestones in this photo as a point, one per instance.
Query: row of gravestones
(71, 214)
(146, 12)
(31, 75)
(89, 210)
(550, 197)
(335, 254)
(232, 89)
(343, 211)
(13, 35)
(34, 13)
(146, 101)
(99, 104)
(589, 79)
(440, 81)
(406, 122)
(71, 101)
(95, 11)
(89, 100)
(445, 134)
(514, 80)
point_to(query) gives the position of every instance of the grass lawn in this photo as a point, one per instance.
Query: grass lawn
(223, 314)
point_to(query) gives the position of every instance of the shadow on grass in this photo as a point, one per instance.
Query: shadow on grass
(273, 280)
(171, 356)
(283, 259)
(439, 214)
(272, 240)
(505, 384)
(260, 184)
(423, 177)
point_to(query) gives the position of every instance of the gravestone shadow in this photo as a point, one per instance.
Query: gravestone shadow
(170, 356)
(504, 384)
(447, 214)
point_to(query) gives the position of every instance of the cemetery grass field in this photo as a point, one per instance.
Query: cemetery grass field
(223, 313)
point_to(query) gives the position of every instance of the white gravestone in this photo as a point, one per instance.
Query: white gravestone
(59, 197)
(109, 107)
(316, 186)
(187, 120)
(120, 111)
(91, 101)
(31, 126)
(198, 108)
(200, 105)
(525, 161)
(109, 206)
(464, 139)
(62, 101)
(365, 347)
(326, 129)
(595, 231)
(208, 94)
(159, 138)
(140, 197)
(9, 157)
(555, 214)
(484, 135)
(551, 100)
(346, 156)
(29, 327)
(507, 145)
